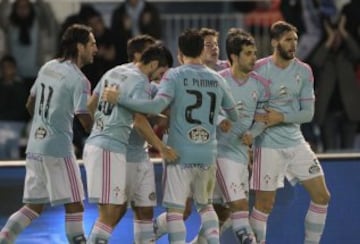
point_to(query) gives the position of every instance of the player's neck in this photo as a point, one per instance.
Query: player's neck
(190, 60)
(280, 62)
(77, 62)
(239, 74)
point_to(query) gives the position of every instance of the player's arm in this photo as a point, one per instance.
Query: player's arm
(92, 104)
(229, 106)
(142, 125)
(86, 121)
(154, 106)
(30, 104)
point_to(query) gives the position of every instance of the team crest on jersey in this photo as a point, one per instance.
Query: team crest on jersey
(99, 124)
(315, 168)
(40, 133)
(199, 135)
(152, 196)
(254, 96)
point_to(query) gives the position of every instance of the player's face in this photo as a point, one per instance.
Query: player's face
(89, 51)
(158, 74)
(210, 53)
(247, 58)
(287, 44)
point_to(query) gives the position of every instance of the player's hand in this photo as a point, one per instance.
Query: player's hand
(270, 118)
(168, 154)
(247, 138)
(225, 125)
(111, 94)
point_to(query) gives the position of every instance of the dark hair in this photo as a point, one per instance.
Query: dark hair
(235, 41)
(159, 53)
(24, 24)
(208, 32)
(191, 43)
(73, 35)
(9, 59)
(137, 44)
(278, 28)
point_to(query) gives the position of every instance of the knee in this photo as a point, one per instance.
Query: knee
(322, 198)
(144, 213)
(187, 210)
(265, 205)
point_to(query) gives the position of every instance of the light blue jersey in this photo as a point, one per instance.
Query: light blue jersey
(291, 93)
(113, 124)
(61, 90)
(248, 94)
(195, 94)
(136, 151)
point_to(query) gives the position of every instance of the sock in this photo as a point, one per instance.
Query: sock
(241, 225)
(160, 226)
(258, 222)
(210, 224)
(176, 228)
(200, 238)
(315, 223)
(17, 222)
(74, 228)
(143, 232)
(100, 233)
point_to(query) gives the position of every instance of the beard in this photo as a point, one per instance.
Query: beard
(283, 53)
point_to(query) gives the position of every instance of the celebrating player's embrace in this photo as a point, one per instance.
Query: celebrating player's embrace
(217, 111)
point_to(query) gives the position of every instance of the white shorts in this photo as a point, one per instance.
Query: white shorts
(106, 175)
(232, 180)
(140, 184)
(181, 181)
(271, 166)
(52, 180)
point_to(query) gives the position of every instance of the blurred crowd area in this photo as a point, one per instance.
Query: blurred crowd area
(329, 40)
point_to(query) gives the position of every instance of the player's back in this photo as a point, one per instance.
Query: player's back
(61, 90)
(113, 123)
(199, 93)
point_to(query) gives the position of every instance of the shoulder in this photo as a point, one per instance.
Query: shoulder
(261, 63)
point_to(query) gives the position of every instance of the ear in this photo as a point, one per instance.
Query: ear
(154, 64)
(233, 57)
(137, 57)
(80, 47)
(274, 43)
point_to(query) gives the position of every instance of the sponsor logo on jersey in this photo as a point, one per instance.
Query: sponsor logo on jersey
(40, 133)
(199, 135)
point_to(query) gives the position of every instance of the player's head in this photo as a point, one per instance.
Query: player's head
(241, 50)
(210, 54)
(136, 45)
(284, 39)
(78, 44)
(191, 43)
(158, 59)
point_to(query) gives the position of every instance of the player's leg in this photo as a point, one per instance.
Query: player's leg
(232, 178)
(177, 182)
(160, 223)
(306, 168)
(106, 181)
(203, 188)
(317, 212)
(141, 188)
(35, 196)
(67, 184)
(268, 172)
